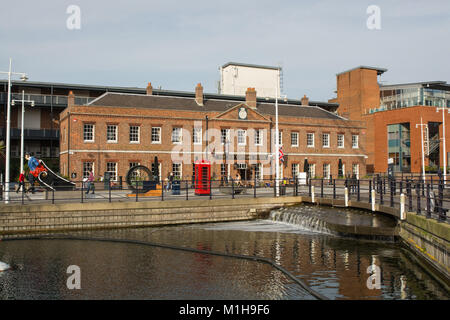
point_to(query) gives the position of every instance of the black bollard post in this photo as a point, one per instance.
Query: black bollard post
(358, 190)
(162, 190)
(321, 188)
(370, 191)
(334, 188)
(418, 197)
(187, 190)
(82, 191)
(109, 190)
(232, 188)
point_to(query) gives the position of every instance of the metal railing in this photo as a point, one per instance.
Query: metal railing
(429, 197)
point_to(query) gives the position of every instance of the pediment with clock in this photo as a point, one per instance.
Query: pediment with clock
(241, 112)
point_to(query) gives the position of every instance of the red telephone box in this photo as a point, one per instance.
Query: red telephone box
(202, 177)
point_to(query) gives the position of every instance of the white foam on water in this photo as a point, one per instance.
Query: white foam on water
(4, 266)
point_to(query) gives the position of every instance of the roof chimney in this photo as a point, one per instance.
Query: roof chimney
(149, 89)
(70, 99)
(250, 98)
(305, 100)
(199, 94)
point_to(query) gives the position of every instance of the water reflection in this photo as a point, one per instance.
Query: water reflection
(335, 267)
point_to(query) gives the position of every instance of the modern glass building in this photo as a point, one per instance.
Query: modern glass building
(399, 146)
(434, 93)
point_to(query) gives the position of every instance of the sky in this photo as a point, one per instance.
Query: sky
(177, 44)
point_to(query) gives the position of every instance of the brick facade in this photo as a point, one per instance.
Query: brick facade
(75, 151)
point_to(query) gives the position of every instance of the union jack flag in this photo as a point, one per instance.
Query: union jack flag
(281, 158)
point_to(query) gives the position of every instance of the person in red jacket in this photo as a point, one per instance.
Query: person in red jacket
(21, 182)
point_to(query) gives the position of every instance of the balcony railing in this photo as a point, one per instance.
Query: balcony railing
(32, 134)
(46, 100)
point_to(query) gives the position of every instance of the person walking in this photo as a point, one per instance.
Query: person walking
(90, 182)
(170, 180)
(21, 182)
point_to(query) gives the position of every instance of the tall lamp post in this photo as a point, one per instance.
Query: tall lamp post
(422, 125)
(277, 139)
(22, 126)
(444, 154)
(23, 77)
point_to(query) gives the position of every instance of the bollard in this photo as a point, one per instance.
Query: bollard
(312, 195)
(373, 199)
(334, 188)
(82, 191)
(346, 196)
(370, 191)
(402, 207)
(162, 190)
(321, 188)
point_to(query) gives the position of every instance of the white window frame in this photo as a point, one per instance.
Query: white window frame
(226, 137)
(326, 172)
(179, 137)
(308, 135)
(295, 169)
(258, 137)
(108, 131)
(355, 166)
(112, 171)
(312, 170)
(296, 139)
(84, 132)
(197, 135)
(355, 145)
(242, 134)
(342, 136)
(180, 172)
(327, 139)
(134, 133)
(154, 134)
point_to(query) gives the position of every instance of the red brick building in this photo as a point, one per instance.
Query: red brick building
(118, 130)
(392, 114)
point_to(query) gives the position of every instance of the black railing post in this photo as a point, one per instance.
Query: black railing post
(137, 191)
(210, 189)
(232, 188)
(275, 187)
(370, 191)
(334, 188)
(392, 183)
(53, 196)
(418, 197)
(381, 194)
(254, 186)
(442, 213)
(358, 190)
(23, 189)
(310, 189)
(409, 193)
(109, 190)
(428, 201)
(321, 188)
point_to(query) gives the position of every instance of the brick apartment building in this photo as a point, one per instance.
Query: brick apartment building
(236, 133)
(392, 114)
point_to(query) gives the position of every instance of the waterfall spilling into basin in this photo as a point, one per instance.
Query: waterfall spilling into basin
(303, 218)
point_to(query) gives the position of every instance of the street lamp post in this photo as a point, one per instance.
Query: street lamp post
(8, 126)
(22, 126)
(444, 154)
(277, 140)
(423, 152)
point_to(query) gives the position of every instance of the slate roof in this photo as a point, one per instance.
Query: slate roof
(111, 99)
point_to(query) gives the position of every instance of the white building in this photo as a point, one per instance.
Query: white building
(235, 78)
